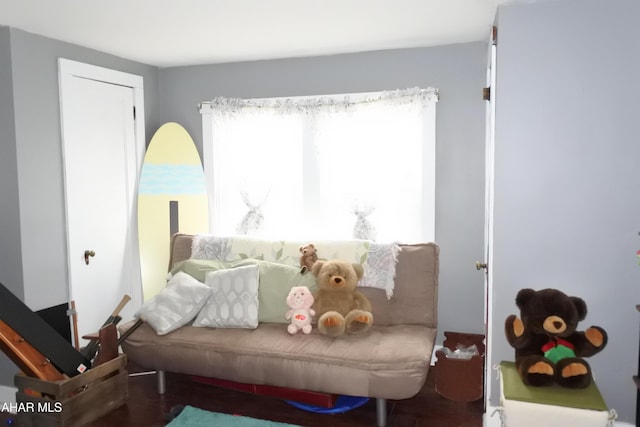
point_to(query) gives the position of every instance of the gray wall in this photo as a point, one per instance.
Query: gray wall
(10, 254)
(567, 170)
(458, 71)
(33, 237)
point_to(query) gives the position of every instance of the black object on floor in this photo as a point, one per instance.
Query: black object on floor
(40, 334)
(174, 412)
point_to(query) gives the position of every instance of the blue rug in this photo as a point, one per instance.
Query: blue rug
(194, 417)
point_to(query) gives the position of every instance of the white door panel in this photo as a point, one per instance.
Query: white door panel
(101, 163)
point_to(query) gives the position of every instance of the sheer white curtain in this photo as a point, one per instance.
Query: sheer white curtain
(357, 166)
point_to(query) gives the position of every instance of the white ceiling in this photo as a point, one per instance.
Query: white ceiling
(169, 33)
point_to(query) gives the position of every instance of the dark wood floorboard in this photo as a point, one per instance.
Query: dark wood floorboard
(148, 409)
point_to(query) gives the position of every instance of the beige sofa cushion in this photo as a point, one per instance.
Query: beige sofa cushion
(414, 299)
(390, 362)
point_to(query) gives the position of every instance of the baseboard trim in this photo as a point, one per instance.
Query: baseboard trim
(491, 418)
(7, 395)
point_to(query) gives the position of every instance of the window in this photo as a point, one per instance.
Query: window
(331, 167)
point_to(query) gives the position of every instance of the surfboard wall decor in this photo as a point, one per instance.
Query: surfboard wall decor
(172, 197)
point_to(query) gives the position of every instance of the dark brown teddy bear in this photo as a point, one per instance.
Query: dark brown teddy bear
(338, 305)
(548, 347)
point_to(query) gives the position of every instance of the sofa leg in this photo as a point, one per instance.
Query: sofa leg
(162, 385)
(381, 412)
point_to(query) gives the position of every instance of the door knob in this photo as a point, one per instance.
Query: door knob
(480, 265)
(88, 254)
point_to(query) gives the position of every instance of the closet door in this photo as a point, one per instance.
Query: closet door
(102, 149)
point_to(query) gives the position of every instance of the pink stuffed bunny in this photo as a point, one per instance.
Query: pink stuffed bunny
(300, 301)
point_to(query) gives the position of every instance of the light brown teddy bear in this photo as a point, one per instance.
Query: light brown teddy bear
(338, 305)
(308, 257)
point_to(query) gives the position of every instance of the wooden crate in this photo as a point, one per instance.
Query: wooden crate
(75, 401)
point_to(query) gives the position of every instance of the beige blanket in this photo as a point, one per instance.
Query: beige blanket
(378, 259)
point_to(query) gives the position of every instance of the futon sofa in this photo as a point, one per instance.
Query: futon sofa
(390, 361)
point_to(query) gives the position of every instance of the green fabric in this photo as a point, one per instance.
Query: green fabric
(558, 353)
(194, 417)
(583, 398)
(276, 280)
(197, 268)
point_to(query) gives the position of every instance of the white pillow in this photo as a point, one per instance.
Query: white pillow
(234, 298)
(176, 305)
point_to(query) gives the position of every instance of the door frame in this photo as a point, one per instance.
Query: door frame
(69, 70)
(489, 201)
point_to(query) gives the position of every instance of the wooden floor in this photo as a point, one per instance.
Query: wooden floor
(148, 409)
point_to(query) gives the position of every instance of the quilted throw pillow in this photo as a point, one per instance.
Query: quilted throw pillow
(176, 305)
(234, 299)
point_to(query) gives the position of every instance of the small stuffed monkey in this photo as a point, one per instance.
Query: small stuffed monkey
(300, 301)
